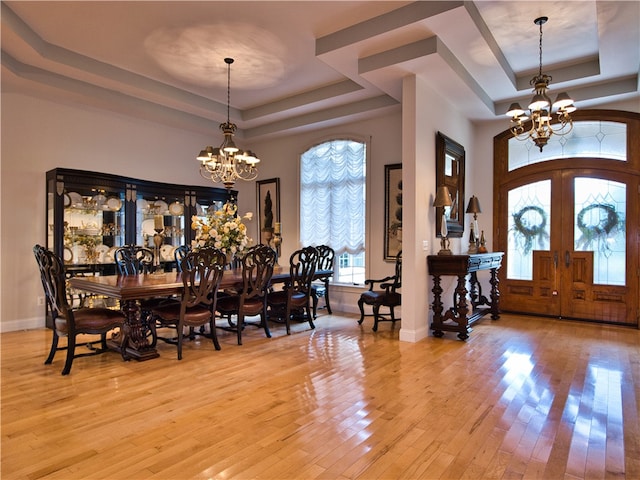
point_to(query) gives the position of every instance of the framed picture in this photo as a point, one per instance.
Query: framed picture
(392, 211)
(268, 198)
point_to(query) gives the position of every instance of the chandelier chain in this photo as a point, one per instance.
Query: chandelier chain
(229, 61)
(540, 48)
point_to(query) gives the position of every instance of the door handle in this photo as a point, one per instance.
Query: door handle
(567, 258)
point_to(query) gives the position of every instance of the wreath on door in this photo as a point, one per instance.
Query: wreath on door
(602, 223)
(529, 224)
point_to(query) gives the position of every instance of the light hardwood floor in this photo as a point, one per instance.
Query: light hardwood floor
(523, 397)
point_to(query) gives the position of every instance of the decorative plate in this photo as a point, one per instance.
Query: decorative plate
(162, 207)
(67, 200)
(148, 227)
(166, 252)
(76, 199)
(114, 203)
(102, 250)
(142, 205)
(176, 209)
(67, 255)
(100, 200)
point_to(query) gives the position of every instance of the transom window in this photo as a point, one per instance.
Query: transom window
(593, 138)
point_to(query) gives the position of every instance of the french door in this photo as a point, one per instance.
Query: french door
(572, 245)
(568, 220)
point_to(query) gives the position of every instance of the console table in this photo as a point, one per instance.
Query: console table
(458, 318)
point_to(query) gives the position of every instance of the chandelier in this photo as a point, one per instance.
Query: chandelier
(540, 108)
(228, 163)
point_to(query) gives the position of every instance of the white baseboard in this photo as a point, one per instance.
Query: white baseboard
(22, 324)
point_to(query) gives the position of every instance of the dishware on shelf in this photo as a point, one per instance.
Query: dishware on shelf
(161, 207)
(114, 204)
(176, 209)
(76, 199)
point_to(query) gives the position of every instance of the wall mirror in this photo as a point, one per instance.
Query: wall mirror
(450, 172)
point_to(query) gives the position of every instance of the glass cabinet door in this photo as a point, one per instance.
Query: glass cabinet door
(160, 215)
(93, 225)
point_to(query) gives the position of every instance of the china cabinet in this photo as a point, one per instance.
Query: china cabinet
(90, 215)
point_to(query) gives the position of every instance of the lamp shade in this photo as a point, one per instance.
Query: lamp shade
(474, 205)
(443, 197)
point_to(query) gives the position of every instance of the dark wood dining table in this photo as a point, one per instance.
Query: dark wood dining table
(131, 341)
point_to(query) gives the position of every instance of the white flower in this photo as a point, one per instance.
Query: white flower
(223, 230)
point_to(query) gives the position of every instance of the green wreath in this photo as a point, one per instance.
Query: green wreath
(528, 233)
(601, 230)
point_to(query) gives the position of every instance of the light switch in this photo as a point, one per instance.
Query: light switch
(425, 245)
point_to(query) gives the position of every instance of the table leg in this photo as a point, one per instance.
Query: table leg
(131, 341)
(495, 294)
(462, 313)
(437, 306)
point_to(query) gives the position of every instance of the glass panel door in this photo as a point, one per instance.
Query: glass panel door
(595, 280)
(568, 246)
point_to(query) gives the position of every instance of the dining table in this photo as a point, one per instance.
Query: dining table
(131, 341)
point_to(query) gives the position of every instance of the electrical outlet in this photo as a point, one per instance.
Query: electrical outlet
(40, 301)
(425, 245)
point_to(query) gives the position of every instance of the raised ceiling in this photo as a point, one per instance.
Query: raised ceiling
(310, 64)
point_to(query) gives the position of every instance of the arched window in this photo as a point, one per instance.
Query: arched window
(332, 203)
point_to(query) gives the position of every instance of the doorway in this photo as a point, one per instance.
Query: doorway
(569, 227)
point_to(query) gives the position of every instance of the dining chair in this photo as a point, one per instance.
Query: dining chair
(294, 298)
(179, 253)
(386, 295)
(320, 285)
(251, 299)
(133, 260)
(67, 321)
(202, 272)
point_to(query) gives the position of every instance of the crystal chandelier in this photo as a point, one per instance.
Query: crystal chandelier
(540, 109)
(228, 163)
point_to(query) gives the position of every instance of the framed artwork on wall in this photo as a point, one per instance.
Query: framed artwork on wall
(392, 211)
(268, 198)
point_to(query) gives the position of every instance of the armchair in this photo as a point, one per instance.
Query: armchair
(387, 295)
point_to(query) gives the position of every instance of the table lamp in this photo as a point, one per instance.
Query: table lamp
(443, 199)
(474, 238)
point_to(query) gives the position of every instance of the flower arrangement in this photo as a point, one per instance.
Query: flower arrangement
(222, 229)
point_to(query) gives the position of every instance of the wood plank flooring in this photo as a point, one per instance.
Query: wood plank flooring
(523, 397)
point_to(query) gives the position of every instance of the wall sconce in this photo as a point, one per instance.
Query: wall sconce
(443, 199)
(474, 238)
